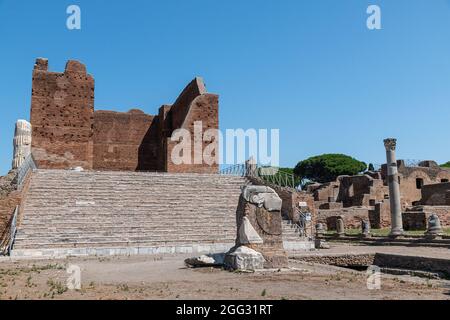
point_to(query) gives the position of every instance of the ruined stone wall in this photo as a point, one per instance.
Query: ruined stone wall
(62, 109)
(193, 105)
(68, 133)
(352, 217)
(125, 141)
(9, 199)
(435, 194)
(327, 191)
(416, 218)
(360, 190)
(428, 172)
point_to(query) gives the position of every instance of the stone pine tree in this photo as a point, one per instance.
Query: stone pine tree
(328, 167)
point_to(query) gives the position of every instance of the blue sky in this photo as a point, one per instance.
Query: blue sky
(308, 67)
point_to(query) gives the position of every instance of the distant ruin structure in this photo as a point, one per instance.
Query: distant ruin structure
(68, 132)
(424, 190)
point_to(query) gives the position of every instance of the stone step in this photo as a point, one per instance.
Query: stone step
(67, 209)
(72, 237)
(115, 244)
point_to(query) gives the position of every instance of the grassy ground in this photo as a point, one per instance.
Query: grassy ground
(385, 232)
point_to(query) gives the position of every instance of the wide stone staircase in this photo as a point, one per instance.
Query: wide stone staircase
(89, 213)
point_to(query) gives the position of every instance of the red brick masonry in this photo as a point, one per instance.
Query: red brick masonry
(67, 132)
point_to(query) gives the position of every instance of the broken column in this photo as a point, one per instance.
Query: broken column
(394, 188)
(259, 242)
(340, 227)
(434, 229)
(365, 229)
(21, 142)
(320, 230)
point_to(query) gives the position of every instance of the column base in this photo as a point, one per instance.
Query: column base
(395, 233)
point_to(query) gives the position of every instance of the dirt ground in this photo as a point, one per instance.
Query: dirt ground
(166, 277)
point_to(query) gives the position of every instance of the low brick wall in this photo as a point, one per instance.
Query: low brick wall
(417, 217)
(412, 263)
(352, 217)
(435, 194)
(344, 260)
(382, 260)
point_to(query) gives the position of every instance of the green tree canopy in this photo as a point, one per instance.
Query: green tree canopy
(446, 165)
(328, 167)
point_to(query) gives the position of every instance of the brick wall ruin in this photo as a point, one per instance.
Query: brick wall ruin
(62, 113)
(125, 141)
(413, 179)
(366, 197)
(436, 194)
(68, 133)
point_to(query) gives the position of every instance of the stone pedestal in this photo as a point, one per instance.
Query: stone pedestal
(259, 226)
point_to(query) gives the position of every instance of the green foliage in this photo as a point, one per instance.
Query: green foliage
(328, 167)
(446, 165)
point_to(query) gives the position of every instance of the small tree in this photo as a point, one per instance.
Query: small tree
(371, 167)
(446, 165)
(328, 167)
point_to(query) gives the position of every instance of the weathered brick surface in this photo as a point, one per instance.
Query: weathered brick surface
(68, 133)
(428, 171)
(62, 108)
(125, 141)
(435, 194)
(9, 199)
(416, 218)
(205, 109)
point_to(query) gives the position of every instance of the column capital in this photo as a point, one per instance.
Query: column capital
(390, 144)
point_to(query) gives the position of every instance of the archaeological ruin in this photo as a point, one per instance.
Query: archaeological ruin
(68, 132)
(98, 182)
(419, 190)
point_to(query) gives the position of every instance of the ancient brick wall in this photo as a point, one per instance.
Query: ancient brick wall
(416, 218)
(9, 199)
(360, 190)
(68, 133)
(193, 106)
(125, 141)
(352, 217)
(62, 107)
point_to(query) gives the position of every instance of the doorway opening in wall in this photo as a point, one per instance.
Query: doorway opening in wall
(444, 180)
(419, 183)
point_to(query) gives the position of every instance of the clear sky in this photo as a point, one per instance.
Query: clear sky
(308, 67)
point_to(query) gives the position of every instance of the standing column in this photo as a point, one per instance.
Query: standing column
(394, 188)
